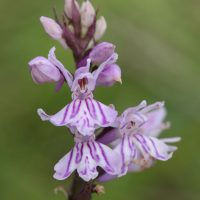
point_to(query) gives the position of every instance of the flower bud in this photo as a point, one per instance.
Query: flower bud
(52, 28)
(101, 52)
(44, 71)
(109, 75)
(68, 7)
(99, 31)
(87, 14)
(100, 28)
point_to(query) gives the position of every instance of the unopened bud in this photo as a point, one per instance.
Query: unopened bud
(52, 28)
(100, 28)
(87, 14)
(101, 52)
(109, 75)
(68, 7)
(99, 31)
(44, 71)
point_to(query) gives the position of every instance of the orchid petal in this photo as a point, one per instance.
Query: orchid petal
(87, 166)
(59, 84)
(127, 152)
(136, 167)
(67, 164)
(152, 146)
(68, 76)
(85, 69)
(43, 115)
(106, 177)
(171, 140)
(156, 105)
(84, 114)
(172, 148)
(107, 158)
(112, 59)
(155, 119)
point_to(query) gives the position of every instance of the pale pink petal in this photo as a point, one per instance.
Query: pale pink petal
(140, 166)
(107, 158)
(68, 163)
(127, 152)
(106, 177)
(112, 59)
(171, 140)
(59, 85)
(68, 76)
(151, 146)
(43, 115)
(84, 114)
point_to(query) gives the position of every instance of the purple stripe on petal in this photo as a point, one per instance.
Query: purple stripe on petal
(105, 158)
(68, 165)
(141, 144)
(75, 109)
(66, 111)
(104, 118)
(90, 150)
(157, 154)
(122, 155)
(79, 154)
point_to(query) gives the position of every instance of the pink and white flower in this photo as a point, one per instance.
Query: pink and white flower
(135, 138)
(83, 112)
(85, 156)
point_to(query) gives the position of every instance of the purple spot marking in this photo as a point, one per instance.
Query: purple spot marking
(67, 173)
(65, 114)
(105, 158)
(85, 113)
(158, 155)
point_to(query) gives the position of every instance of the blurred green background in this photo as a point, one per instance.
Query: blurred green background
(158, 43)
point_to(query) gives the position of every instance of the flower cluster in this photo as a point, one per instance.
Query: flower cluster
(132, 137)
